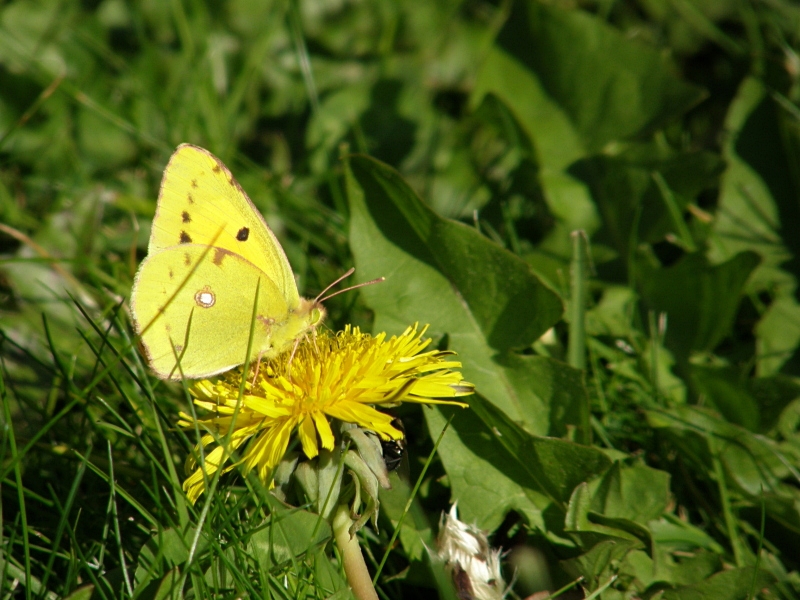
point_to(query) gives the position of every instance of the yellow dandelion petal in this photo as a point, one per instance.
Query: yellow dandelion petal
(195, 484)
(278, 441)
(308, 437)
(324, 429)
(342, 376)
(267, 407)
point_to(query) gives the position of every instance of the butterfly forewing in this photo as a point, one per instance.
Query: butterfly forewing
(201, 203)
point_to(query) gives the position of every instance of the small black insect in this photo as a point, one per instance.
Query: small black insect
(394, 450)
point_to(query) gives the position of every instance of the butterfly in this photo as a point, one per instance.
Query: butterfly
(210, 261)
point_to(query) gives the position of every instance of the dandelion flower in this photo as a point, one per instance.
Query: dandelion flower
(342, 376)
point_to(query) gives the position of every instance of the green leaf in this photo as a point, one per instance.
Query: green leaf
(165, 589)
(639, 493)
(700, 300)
(589, 532)
(328, 578)
(633, 206)
(674, 533)
(610, 86)
(727, 585)
(289, 534)
(599, 563)
(494, 465)
(686, 567)
(485, 479)
(556, 466)
(727, 390)
(446, 274)
(83, 593)
(164, 551)
(503, 79)
(758, 211)
(754, 465)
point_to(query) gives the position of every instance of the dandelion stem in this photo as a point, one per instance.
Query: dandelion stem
(354, 566)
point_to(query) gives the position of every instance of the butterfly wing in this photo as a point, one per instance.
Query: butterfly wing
(197, 301)
(201, 203)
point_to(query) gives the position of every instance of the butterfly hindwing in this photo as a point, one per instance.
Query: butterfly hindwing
(199, 304)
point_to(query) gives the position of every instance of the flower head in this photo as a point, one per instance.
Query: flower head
(342, 376)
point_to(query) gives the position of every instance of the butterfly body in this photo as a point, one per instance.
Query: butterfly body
(211, 261)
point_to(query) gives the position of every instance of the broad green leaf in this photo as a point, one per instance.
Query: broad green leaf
(726, 585)
(555, 466)
(758, 211)
(83, 593)
(328, 578)
(429, 266)
(757, 204)
(635, 207)
(164, 551)
(677, 534)
(289, 534)
(700, 300)
(754, 465)
(778, 335)
(686, 567)
(600, 563)
(548, 130)
(639, 493)
(589, 531)
(486, 479)
(551, 395)
(727, 390)
(610, 86)
(432, 276)
(166, 589)
(494, 466)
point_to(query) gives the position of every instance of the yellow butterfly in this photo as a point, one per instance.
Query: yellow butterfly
(210, 253)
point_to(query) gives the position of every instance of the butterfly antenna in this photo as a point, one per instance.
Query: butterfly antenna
(345, 276)
(347, 289)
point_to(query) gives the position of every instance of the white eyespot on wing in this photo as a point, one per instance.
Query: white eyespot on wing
(205, 298)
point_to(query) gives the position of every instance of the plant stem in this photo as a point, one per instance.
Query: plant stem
(354, 566)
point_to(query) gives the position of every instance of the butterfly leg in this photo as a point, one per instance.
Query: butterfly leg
(258, 366)
(291, 358)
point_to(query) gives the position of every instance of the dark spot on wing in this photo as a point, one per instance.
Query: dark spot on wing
(187, 260)
(216, 168)
(219, 255)
(194, 183)
(189, 198)
(243, 234)
(186, 217)
(171, 274)
(185, 238)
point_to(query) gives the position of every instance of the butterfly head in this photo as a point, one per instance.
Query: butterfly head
(316, 314)
(311, 312)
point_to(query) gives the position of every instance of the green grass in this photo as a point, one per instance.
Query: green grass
(647, 441)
